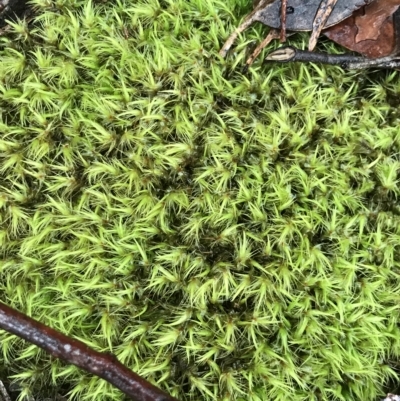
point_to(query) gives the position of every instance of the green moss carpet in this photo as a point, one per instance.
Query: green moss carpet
(227, 236)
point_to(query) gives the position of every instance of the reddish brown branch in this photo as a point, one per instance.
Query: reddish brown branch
(77, 353)
(283, 21)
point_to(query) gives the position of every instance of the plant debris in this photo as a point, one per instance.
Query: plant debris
(79, 354)
(370, 31)
(368, 27)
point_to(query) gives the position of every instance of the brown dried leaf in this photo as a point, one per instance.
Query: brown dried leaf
(369, 31)
(376, 13)
(299, 16)
(302, 13)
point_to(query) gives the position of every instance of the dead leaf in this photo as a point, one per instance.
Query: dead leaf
(376, 14)
(369, 27)
(300, 13)
(369, 31)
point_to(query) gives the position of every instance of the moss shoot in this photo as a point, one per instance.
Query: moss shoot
(229, 237)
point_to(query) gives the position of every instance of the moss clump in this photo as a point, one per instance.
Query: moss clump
(228, 237)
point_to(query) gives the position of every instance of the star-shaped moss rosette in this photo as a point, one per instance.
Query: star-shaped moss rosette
(227, 237)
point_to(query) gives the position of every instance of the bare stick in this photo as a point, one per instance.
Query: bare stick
(392, 397)
(324, 11)
(252, 17)
(346, 61)
(79, 354)
(4, 395)
(283, 21)
(229, 42)
(273, 34)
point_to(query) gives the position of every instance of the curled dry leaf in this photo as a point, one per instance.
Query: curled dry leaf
(300, 14)
(370, 31)
(296, 15)
(375, 14)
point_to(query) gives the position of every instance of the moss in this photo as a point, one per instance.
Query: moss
(228, 237)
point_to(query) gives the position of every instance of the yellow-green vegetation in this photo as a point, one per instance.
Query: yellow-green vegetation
(227, 236)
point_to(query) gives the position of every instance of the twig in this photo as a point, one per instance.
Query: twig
(323, 13)
(346, 61)
(392, 397)
(249, 20)
(3, 393)
(283, 21)
(79, 354)
(273, 34)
